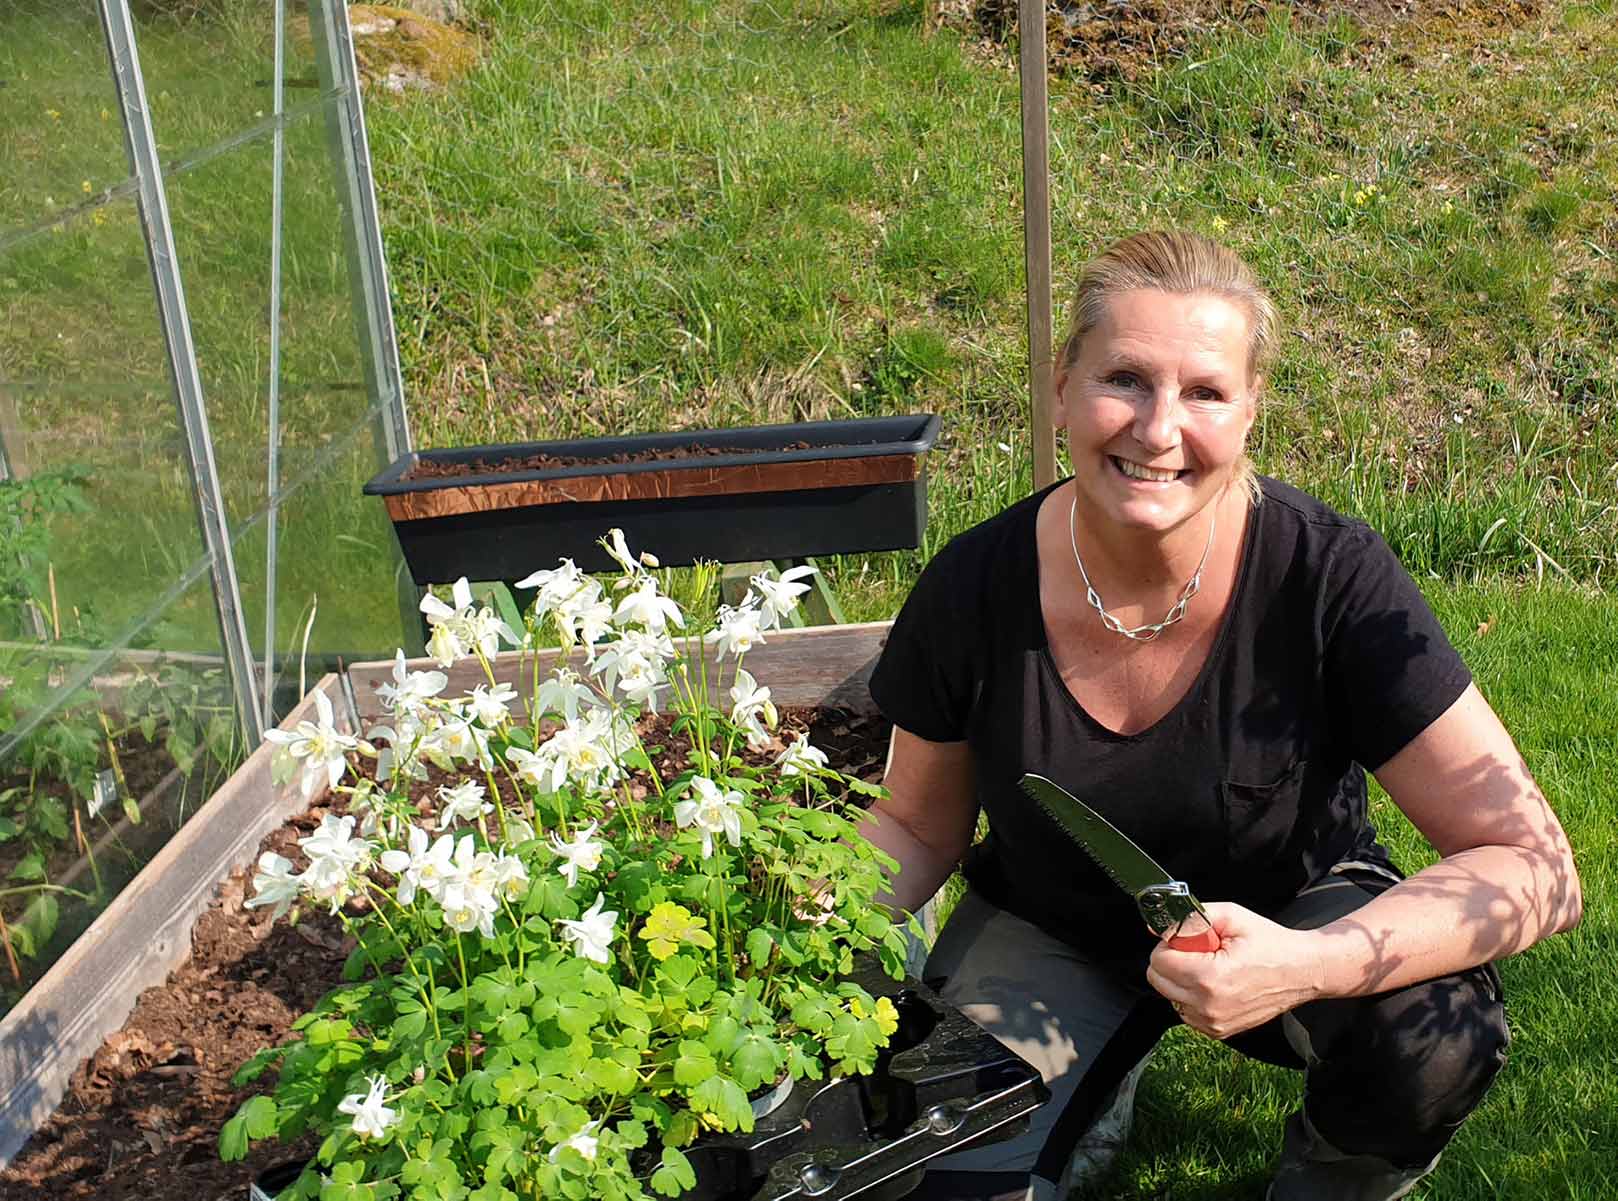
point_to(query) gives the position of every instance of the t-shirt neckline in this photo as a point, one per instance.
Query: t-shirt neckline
(1215, 652)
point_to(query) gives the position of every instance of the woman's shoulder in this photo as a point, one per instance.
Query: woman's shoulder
(997, 541)
(1296, 507)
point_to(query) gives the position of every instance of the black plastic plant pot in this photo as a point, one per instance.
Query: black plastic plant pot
(942, 1084)
(270, 1182)
(730, 496)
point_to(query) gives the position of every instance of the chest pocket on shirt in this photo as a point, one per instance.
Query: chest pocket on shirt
(1260, 818)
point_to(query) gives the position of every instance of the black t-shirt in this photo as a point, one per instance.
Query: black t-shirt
(1249, 789)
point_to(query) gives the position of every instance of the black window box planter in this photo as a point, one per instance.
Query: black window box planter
(759, 492)
(943, 1083)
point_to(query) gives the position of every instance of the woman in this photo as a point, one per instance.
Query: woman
(1212, 661)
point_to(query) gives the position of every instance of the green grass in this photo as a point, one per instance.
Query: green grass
(733, 212)
(1208, 1122)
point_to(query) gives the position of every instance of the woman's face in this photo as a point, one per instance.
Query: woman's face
(1157, 407)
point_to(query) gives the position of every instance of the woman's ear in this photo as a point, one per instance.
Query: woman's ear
(1255, 396)
(1058, 392)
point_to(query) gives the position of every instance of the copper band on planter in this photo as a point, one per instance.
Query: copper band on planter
(656, 485)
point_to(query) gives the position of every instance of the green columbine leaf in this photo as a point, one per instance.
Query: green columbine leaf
(726, 1100)
(670, 925)
(760, 942)
(757, 1060)
(695, 1063)
(676, 1174)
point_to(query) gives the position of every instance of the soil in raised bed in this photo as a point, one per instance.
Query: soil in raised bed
(142, 1116)
(437, 469)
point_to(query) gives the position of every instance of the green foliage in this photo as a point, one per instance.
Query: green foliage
(26, 507)
(553, 996)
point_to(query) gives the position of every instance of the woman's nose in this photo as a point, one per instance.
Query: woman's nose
(1157, 423)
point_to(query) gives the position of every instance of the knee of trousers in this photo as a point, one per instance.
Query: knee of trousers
(1402, 1070)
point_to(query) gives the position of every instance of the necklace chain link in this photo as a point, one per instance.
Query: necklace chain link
(1143, 633)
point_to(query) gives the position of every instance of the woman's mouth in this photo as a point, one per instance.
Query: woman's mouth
(1149, 475)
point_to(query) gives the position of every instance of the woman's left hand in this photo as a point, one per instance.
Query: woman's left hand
(1260, 970)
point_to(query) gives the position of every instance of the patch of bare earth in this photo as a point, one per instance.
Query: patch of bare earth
(1109, 40)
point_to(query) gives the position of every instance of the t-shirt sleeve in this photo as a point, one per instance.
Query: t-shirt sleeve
(923, 681)
(1390, 668)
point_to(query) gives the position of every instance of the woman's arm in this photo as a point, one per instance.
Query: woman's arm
(1506, 880)
(928, 818)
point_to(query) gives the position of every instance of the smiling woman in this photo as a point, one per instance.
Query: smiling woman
(1256, 660)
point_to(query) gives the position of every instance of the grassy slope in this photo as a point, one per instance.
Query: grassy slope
(737, 212)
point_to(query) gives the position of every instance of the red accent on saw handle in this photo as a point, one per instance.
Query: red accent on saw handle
(1204, 941)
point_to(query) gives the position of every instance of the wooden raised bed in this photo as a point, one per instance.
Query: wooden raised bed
(145, 932)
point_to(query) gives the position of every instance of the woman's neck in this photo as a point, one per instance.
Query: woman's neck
(1138, 562)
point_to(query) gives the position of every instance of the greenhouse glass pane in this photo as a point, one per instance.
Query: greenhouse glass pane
(61, 135)
(324, 443)
(114, 747)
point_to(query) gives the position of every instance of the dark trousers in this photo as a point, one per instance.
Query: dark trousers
(1388, 1078)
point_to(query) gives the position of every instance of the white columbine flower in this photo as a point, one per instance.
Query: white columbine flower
(462, 802)
(409, 865)
(319, 744)
(593, 932)
(615, 546)
(584, 1142)
(458, 629)
(335, 858)
(491, 706)
(586, 751)
(649, 608)
(635, 663)
(274, 884)
(578, 855)
(371, 1117)
(752, 709)
(530, 768)
(781, 596)
(562, 693)
(468, 907)
(335, 841)
(509, 877)
(457, 740)
(712, 812)
(409, 688)
(801, 759)
(740, 627)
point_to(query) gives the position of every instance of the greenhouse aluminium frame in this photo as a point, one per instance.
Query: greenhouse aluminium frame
(339, 89)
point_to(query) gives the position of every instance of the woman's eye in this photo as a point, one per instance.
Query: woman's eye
(1123, 379)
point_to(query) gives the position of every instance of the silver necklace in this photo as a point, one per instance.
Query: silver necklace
(1176, 611)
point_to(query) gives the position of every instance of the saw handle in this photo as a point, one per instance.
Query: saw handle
(1205, 940)
(1169, 909)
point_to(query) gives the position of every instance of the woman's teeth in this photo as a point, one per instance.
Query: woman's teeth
(1136, 472)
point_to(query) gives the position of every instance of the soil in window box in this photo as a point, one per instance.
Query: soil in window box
(142, 1117)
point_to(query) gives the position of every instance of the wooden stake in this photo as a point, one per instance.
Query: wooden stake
(56, 614)
(11, 956)
(1036, 191)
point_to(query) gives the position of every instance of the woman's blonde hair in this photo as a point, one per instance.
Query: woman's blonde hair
(1183, 263)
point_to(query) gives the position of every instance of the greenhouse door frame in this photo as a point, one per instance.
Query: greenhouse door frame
(367, 275)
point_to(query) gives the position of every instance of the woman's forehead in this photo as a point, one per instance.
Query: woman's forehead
(1151, 324)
